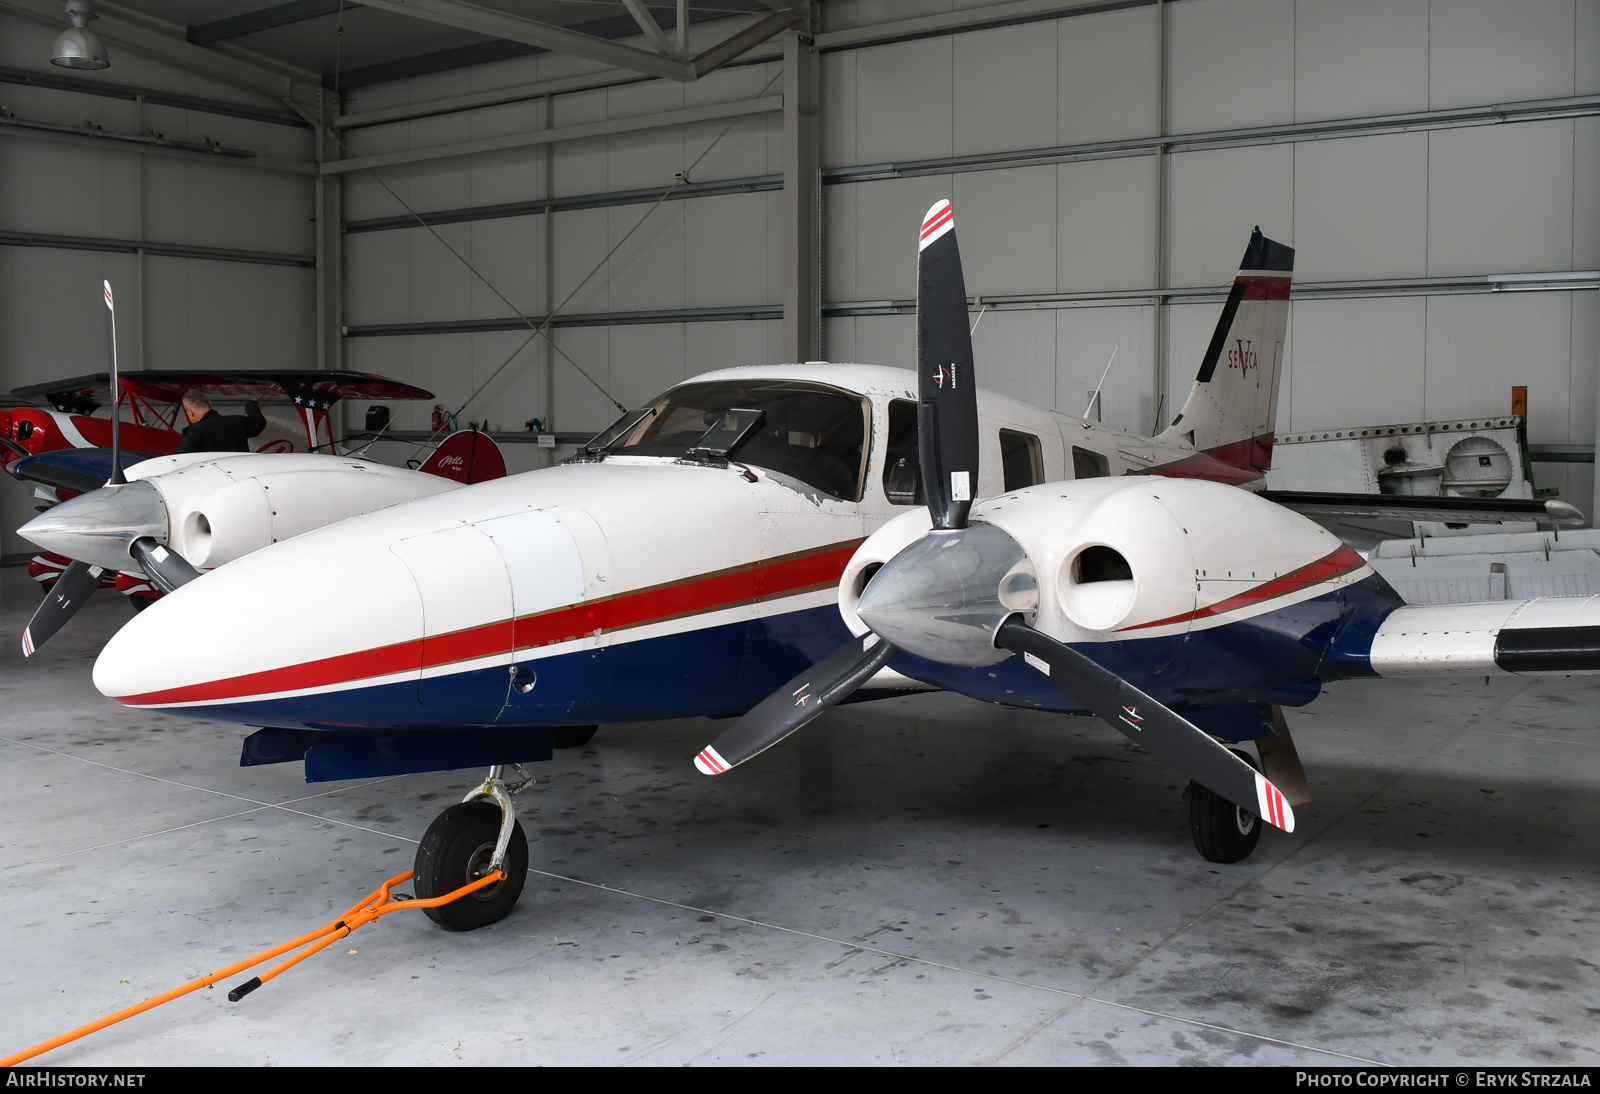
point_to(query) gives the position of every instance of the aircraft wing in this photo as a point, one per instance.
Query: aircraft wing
(1450, 510)
(82, 394)
(76, 469)
(1546, 636)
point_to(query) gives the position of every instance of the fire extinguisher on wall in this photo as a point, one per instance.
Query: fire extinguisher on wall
(438, 417)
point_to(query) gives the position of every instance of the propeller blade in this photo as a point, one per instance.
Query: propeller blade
(166, 569)
(60, 604)
(117, 477)
(796, 703)
(947, 405)
(1158, 729)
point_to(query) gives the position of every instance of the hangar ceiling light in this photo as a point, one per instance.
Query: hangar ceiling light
(78, 46)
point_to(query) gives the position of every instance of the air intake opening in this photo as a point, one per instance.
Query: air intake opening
(868, 572)
(1100, 564)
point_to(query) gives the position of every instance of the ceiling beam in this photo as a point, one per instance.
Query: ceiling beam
(279, 15)
(652, 29)
(711, 112)
(608, 27)
(530, 32)
(515, 28)
(166, 41)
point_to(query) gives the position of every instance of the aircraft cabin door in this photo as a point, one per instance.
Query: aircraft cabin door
(466, 618)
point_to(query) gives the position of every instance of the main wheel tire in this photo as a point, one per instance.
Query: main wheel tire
(572, 736)
(1222, 831)
(455, 851)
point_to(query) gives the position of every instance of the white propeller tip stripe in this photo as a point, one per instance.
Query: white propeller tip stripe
(940, 219)
(709, 763)
(27, 644)
(1272, 806)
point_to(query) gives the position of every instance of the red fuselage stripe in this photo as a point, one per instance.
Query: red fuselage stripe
(764, 580)
(1343, 561)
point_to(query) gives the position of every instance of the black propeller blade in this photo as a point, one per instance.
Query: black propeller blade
(796, 703)
(947, 406)
(1158, 729)
(166, 568)
(61, 603)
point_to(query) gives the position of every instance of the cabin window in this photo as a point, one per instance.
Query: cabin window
(1021, 458)
(809, 432)
(1088, 464)
(902, 468)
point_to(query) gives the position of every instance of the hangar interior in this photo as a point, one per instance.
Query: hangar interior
(457, 197)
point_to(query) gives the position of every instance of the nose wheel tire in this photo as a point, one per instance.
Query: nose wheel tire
(457, 849)
(1222, 831)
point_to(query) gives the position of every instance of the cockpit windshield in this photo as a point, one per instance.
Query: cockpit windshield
(809, 432)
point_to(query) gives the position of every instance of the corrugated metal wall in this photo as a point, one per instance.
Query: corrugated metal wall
(172, 312)
(1447, 202)
(1520, 197)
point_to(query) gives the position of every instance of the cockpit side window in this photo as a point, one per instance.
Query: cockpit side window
(810, 432)
(902, 469)
(1021, 458)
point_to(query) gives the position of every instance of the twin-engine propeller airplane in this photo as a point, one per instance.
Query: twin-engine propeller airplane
(154, 526)
(850, 530)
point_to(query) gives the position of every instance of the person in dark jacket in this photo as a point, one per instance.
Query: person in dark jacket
(212, 432)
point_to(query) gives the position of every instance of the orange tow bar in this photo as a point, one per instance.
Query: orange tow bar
(379, 903)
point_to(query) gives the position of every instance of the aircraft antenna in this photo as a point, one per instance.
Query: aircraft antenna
(117, 477)
(1102, 383)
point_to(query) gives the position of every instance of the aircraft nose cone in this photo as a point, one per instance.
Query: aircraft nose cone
(944, 596)
(98, 527)
(291, 631)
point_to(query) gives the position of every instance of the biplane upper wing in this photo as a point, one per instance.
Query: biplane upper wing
(83, 394)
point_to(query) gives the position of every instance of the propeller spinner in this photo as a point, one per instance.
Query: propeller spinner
(965, 595)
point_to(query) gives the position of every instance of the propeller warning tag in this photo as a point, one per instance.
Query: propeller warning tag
(1037, 662)
(960, 486)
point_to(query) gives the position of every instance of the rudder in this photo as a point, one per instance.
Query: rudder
(466, 457)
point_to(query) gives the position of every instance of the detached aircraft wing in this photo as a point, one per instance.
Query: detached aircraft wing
(1449, 510)
(84, 394)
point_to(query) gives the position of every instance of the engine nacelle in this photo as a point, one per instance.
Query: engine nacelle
(224, 508)
(1086, 561)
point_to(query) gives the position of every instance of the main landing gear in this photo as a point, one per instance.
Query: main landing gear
(1222, 831)
(474, 837)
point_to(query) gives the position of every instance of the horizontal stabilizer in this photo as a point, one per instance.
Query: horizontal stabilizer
(1450, 510)
(1546, 636)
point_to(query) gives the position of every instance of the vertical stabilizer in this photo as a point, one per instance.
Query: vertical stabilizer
(1228, 418)
(466, 457)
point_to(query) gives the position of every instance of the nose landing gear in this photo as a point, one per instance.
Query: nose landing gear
(473, 838)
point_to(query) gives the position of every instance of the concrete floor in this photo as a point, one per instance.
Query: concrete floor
(920, 881)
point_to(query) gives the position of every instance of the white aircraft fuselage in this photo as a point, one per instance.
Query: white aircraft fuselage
(641, 587)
